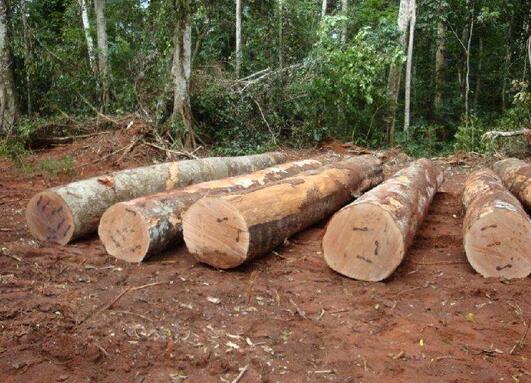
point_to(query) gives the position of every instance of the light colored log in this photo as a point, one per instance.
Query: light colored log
(368, 239)
(136, 229)
(64, 213)
(516, 175)
(497, 230)
(225, 232)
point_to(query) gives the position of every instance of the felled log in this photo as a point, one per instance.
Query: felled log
(368, 239)
(227, 231)
(516, 175)
(497, 230)
(64, 213)
(135, 229)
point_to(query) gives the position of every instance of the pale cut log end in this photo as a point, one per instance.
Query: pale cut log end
(215, 233)
(124, 233)
(363, 242)
(498, 245)
(49, 218)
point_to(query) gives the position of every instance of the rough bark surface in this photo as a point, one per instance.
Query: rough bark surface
(88, 36)
(440, 61)
(103, 50)
(65, 213)
(368, 239)
(225, 232)
(8, 104)
(135, 229)
(497, 230)
(516, 175)
(238, 37)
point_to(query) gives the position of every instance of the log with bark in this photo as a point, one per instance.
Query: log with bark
(368, 239)
(136, 229)
(227, 231)
(496, 228)
(64, 213)
(516, 175)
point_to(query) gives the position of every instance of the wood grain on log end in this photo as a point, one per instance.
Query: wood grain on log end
(49, 218)
(216, 233)
(363, 242)
(124, 234)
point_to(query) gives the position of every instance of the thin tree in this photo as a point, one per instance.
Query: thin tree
(88, 37)
(440, 62)
(103, 51)
(409, 63)
(395, 71)
(238, 37)
(324, 5)
(280, 34)
(479, 73)
(182, 71)
(344, 12)
(8, 103)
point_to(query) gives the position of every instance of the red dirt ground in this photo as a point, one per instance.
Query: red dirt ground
(71, 314)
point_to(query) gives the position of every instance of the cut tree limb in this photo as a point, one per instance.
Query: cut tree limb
(225, 232)
(516, 175)
(135, 229)
(368, 239)
(64, 213)
(497, 230)
(492, 135)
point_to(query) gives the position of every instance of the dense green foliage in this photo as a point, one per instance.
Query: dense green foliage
(325, 88)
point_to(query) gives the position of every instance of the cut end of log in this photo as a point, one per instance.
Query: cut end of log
(124, 234)
(498, 245)
(363, 242)
(49, 218)
(215, 233)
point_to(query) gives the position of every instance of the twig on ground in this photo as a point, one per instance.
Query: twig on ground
(179, 153)
(521, 341)
(439, 263)
(240, 375)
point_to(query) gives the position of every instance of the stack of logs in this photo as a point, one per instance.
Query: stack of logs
(231, 210)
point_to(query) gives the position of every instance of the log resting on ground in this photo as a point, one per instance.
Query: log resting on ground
(496, 228)
(516, 175)
(225, 232)
(368, 239)
(135, 229)
(64, 213)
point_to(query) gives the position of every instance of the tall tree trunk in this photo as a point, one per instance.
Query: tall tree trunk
(440, 61)
(238, 37)
(478, 74)
(103, 51)
(27, 56)
(467, 75)
(324, 5)
(8, 103)
(280, 34)
(393, 84)
(344, 11)
(413, 18)
(88, 36)
(182, 71)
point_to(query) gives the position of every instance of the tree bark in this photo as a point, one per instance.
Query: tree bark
(409, 63)
(65, 213)
(238, 37)
(479, 73)
(344, 11)
(368, 239)
(88, 36)
(182, 71)
(281, 34)
(103, 51)
(225, 232)
(516, 176)
(157, 218)
(440, 62)
(497, 230)
(8, 101)
(324, 6)
(395, 71)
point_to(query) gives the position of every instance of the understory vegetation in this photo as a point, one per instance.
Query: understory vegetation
(307, 70)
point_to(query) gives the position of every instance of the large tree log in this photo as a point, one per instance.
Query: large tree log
(516, 175)
(225, 232)
(135, 229)
(497, 230)
(368, 239)
(64, 213)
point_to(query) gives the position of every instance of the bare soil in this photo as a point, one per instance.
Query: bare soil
(74, 314)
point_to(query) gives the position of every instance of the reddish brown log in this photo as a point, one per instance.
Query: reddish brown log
(497, 230)
(516, 175)
(368, 239)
